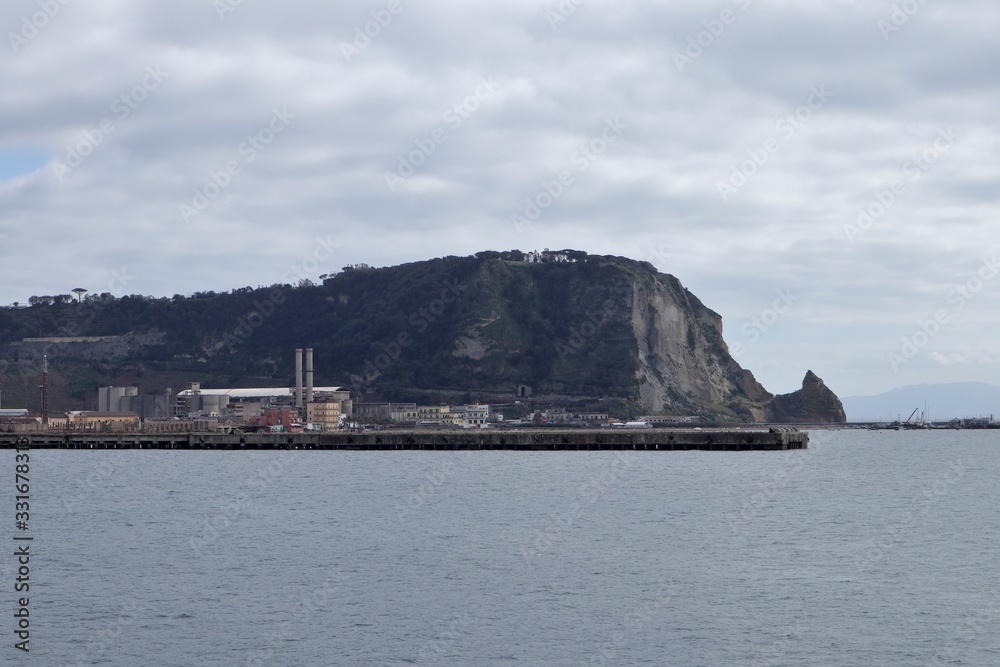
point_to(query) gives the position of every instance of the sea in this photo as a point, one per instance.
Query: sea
(868, 548)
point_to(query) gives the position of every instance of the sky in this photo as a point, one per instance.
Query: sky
(823, 174)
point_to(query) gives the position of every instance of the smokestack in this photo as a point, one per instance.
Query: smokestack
(298, 377)
(309, 375)
(45, 389)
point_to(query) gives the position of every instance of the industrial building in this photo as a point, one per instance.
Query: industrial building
(329, 404)
(127, 399)
(252, 401)
(460, 416)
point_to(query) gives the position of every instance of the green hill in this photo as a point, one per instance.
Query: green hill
(571, 326)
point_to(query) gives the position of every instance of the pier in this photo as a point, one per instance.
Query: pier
(774, 439)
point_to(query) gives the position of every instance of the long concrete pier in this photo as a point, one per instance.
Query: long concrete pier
(520, 440)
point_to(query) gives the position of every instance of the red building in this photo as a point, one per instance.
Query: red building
(287, 418)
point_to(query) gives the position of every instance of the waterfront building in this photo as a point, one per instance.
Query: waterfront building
(325, 415)
(473, 415)
(434, 414)
(88, 420)
(386, 412)
(109, 399)
(127, 399)
(195, 401)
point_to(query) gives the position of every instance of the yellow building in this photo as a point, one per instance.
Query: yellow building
(178, 425)
(104, 421)
(325, 414)
(434, 414)
(460, 416)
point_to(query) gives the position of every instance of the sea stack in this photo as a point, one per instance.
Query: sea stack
(814, 403)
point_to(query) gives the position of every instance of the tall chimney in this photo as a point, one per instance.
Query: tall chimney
(45, 389)
(298, 377)
(309, 375)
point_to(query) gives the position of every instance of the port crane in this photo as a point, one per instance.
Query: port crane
(916, 424)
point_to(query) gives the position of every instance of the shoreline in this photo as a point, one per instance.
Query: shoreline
(546, 439)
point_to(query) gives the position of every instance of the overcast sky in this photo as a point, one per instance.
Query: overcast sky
(160, 148)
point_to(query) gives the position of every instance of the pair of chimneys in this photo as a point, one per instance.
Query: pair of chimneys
(298, 376)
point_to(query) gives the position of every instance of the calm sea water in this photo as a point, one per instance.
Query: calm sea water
(866, 549)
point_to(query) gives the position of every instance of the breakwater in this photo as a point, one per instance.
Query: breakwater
(519, 440)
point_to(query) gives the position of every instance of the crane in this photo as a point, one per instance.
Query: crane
(909, 424)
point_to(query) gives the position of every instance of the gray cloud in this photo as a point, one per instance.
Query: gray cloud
(652, 194)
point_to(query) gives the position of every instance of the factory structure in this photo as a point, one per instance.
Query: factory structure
(300, 407)
(304, 406)
(128, 400)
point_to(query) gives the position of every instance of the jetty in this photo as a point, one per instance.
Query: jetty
(731, 440)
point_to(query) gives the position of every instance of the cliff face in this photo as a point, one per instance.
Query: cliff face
(571, 326)
(814, 403)
(614, 327)
(684, 361)
(610, 326)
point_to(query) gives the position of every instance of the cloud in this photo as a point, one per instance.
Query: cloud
(656, 187)
(948, 359)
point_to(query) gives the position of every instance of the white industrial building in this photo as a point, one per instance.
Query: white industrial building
(249, 401)
(220, 402)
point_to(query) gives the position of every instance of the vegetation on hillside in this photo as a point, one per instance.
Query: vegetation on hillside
(558, 321)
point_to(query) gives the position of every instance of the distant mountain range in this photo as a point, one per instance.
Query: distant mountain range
(943, 401)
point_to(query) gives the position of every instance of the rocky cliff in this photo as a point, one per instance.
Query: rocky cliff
(610, 326)
(683, 361)
(566, 325)
(814, 403)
